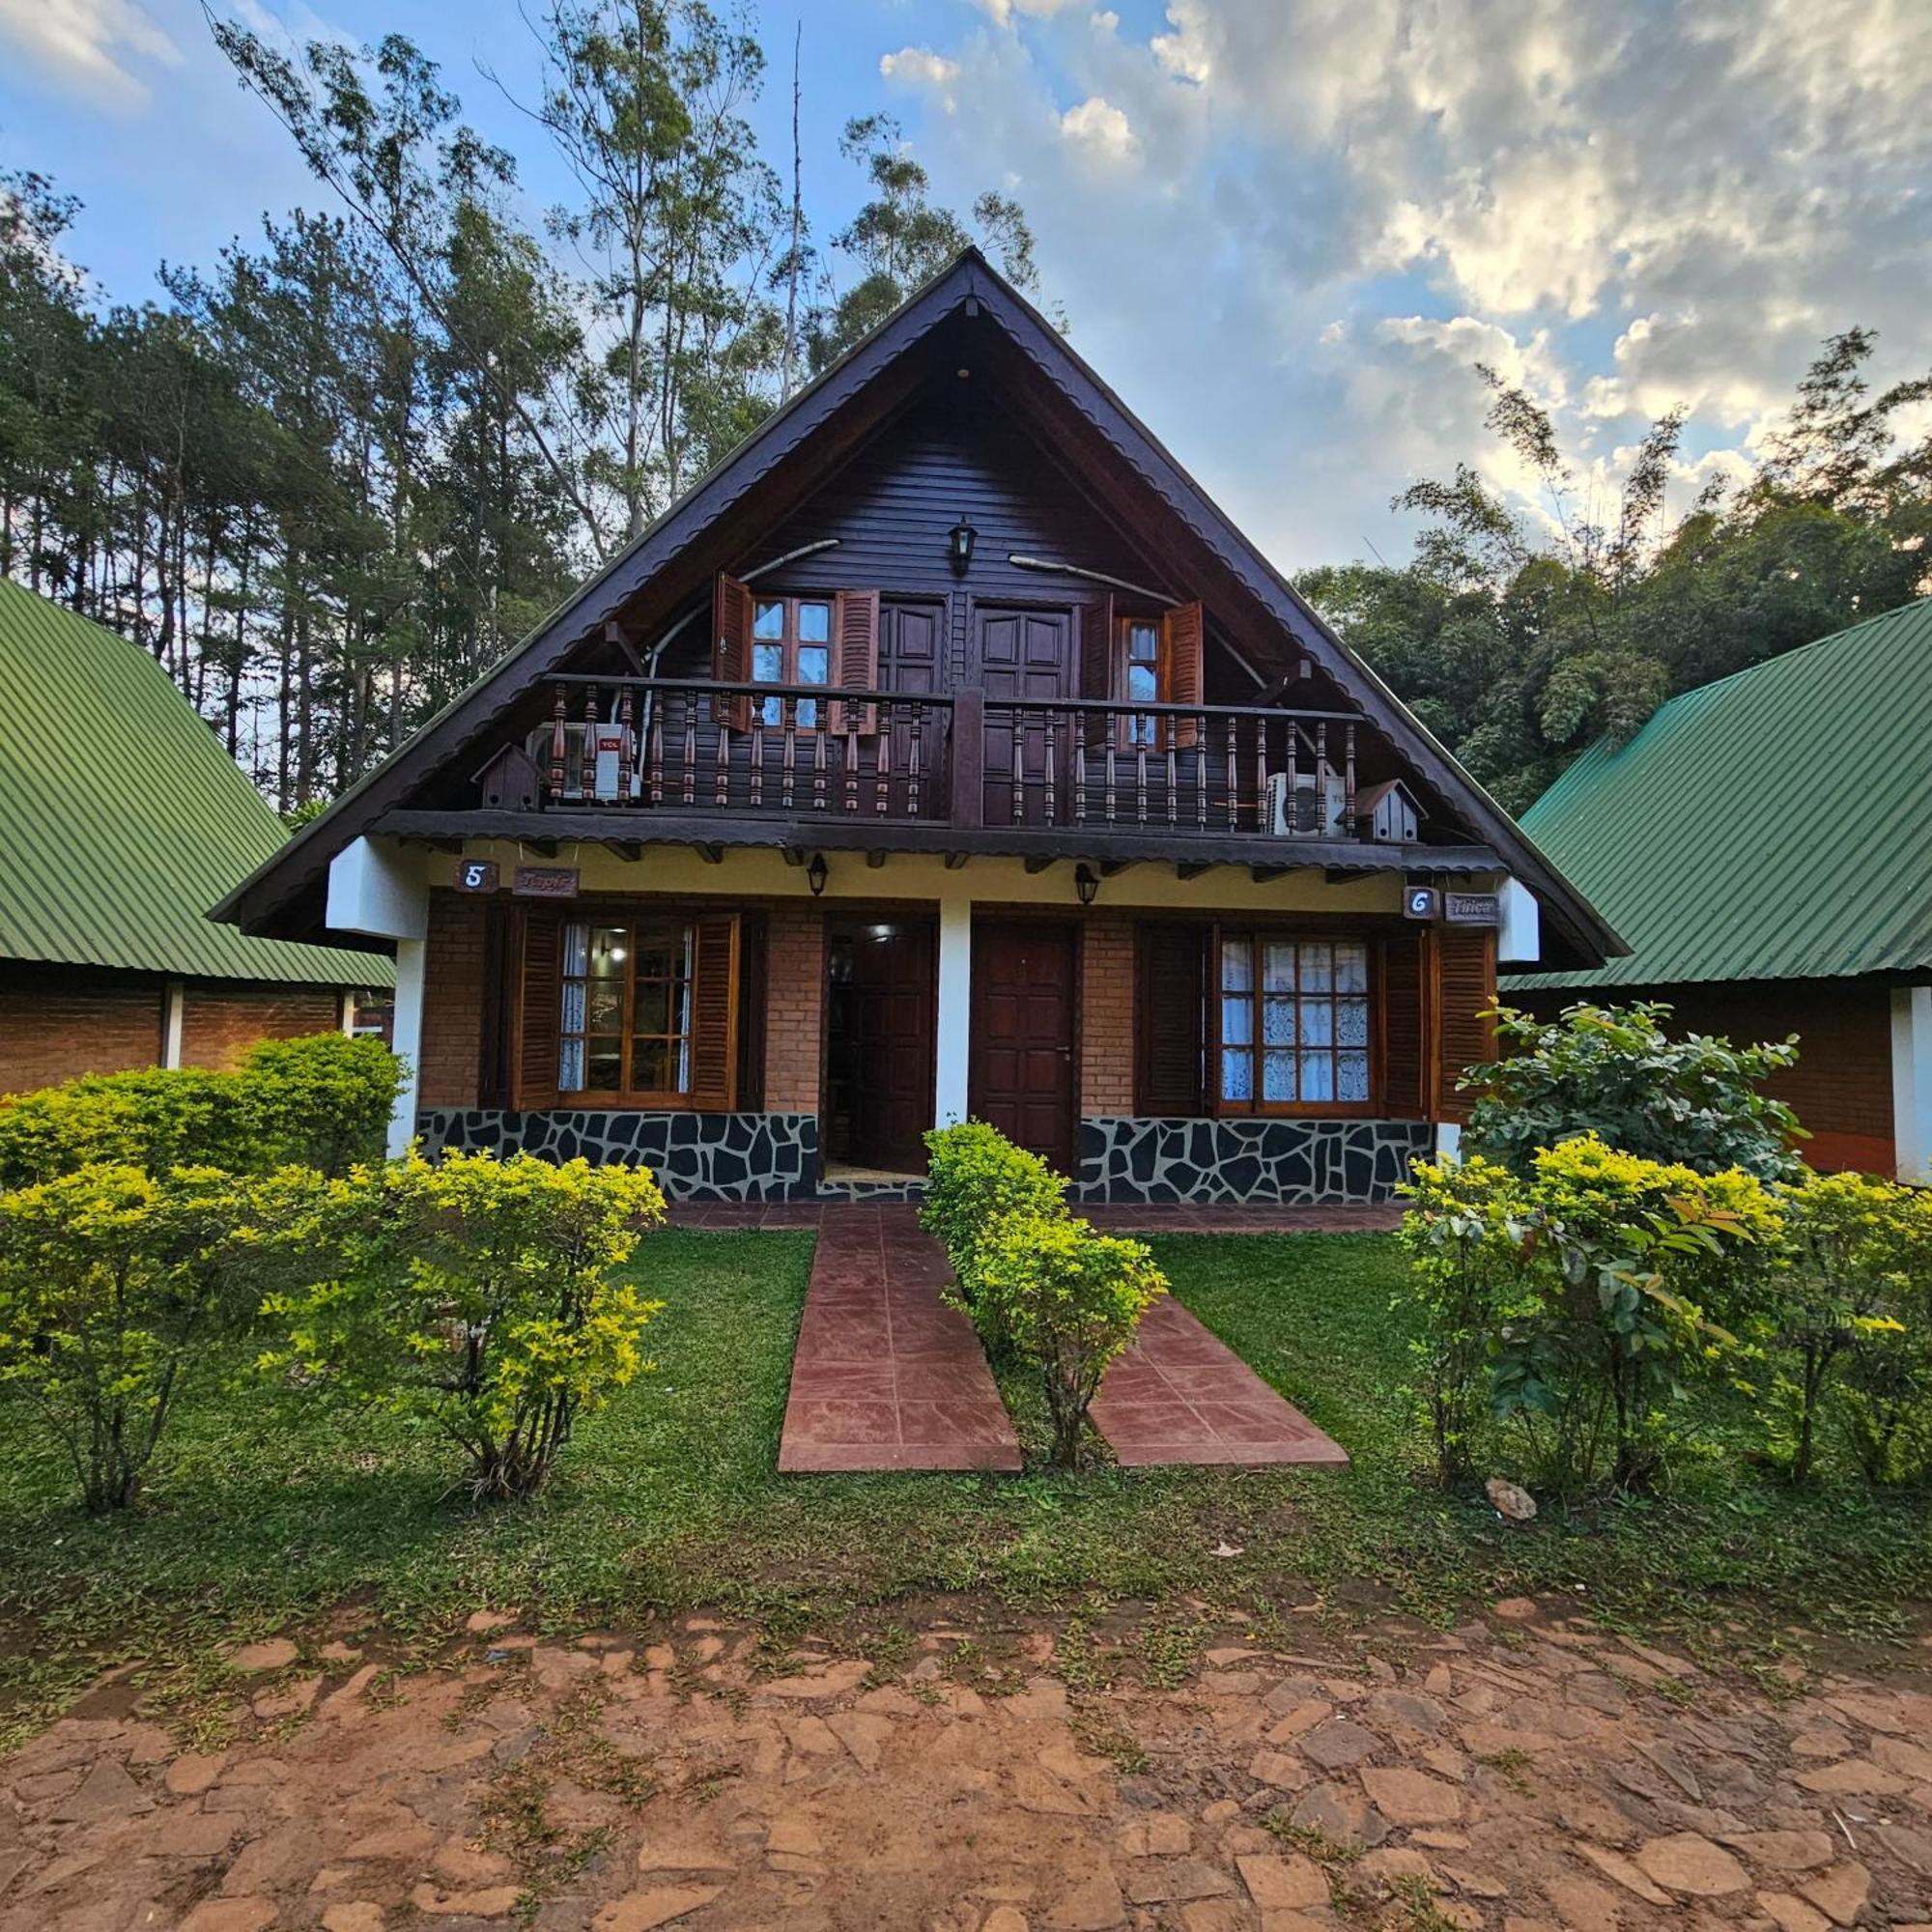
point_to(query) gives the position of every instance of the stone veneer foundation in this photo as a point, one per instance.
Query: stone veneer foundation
(1286, 1163)
(1122, 1157)
(695, 1156)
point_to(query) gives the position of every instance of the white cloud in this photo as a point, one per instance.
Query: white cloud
(921, 66)
(1005, 11)
(1102, 129)
(94, 48)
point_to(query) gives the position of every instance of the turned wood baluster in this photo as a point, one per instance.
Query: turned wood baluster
(626, 750)
(882, 762)
(689, 749)
(722, 791)
(1050, 749)
(1293, 774)
(915, 750)
(1140, 767)
(788, 731)
(1234, 781)
(1112, 727)
(1080, 771)
(655, 754)
(1261, 775)
(559, 741)
(851, 712)
(1019, 766)
(1173, 772)
(757, 753)
(1322, 781)
(590, 748)
(1201, 773)
(818, 738)
(1348, 776)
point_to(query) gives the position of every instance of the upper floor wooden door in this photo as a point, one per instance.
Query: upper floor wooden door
(1021, 656)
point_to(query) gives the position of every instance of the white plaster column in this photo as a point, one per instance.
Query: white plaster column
(954, 1017)
(174, 1006)
(1911, 1082)
(407, 1041)
(384, 891)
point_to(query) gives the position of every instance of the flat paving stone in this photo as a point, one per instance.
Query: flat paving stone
(885, 1376)
(1182, 1395)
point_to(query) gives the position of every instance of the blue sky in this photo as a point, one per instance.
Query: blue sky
(1284, 229)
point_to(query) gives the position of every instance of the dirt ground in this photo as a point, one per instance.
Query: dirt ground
(1526, 1773)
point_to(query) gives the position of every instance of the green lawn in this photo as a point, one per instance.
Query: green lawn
(267, 1507)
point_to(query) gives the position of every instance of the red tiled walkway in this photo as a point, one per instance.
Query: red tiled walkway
(886, 1375)
(1182, 1395)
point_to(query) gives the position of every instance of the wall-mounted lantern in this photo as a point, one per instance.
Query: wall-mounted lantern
(960, 546)
(815, 874)
(1086, 883)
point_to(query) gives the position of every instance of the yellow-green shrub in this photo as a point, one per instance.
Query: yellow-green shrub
(116, 1287)
(974, 1177)
(1067, 1300)
(480, 1294)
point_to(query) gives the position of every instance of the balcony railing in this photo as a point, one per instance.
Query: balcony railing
(700, 747)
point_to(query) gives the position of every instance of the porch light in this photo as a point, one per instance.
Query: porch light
(815, 874)
(1086, 882)
(960, 546)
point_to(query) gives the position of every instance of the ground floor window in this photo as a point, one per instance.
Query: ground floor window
(1293, 1022)
(625, 1027)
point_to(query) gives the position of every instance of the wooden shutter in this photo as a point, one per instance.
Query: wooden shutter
(731, 646)
(1405, 1030)
(1465, 985)
(1170, 966)
(714, 1015)
(540, 1006)
(1097, 661)
(855, 656)
(1186, 638)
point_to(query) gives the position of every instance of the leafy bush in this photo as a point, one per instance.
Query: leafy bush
(323, 1101)
(476, 1293)
(1066, 1299)
(974, 1177)
(1568, 1309)
(115, 1284)
(1851, 1312)
(1615, 1072)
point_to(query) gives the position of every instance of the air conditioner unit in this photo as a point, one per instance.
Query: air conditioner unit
(612, 745)
(1308, 808)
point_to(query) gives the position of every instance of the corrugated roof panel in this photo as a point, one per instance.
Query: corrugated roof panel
(121, 820)
(1777, 824)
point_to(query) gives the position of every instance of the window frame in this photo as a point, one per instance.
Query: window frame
(1157, 731)
(789, 645)
(625, 1093)
(1259, 934)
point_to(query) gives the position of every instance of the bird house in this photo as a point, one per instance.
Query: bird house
(1387, 814)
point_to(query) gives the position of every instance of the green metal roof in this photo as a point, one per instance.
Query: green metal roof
(123, 820)
(1775, 825)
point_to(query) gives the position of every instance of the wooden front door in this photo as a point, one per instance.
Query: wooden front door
(881, 1044)
(1023, 656)
(1021, 1069)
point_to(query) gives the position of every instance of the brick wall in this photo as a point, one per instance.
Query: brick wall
(794, 1008)
(57, 1023)
(221, 1021)
(452, 1016)
(1107, 1017)
(1841, 1086)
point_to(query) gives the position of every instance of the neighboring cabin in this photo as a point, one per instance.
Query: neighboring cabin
(1764, 846)
(122, 821)
(945, 749)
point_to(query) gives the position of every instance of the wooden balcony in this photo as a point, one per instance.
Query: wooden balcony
(695, 748)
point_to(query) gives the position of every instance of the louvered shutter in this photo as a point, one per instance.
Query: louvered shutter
(539, 1006)
(1169, 989)
(1404, 1032)
(714, 1015)
(855, 658)
(1097, 661)
(1187, 646)
(731, 646)
(1465, 984)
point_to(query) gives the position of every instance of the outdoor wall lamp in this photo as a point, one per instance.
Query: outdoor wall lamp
(1086, 882)
(960, 546)
(815, 874)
